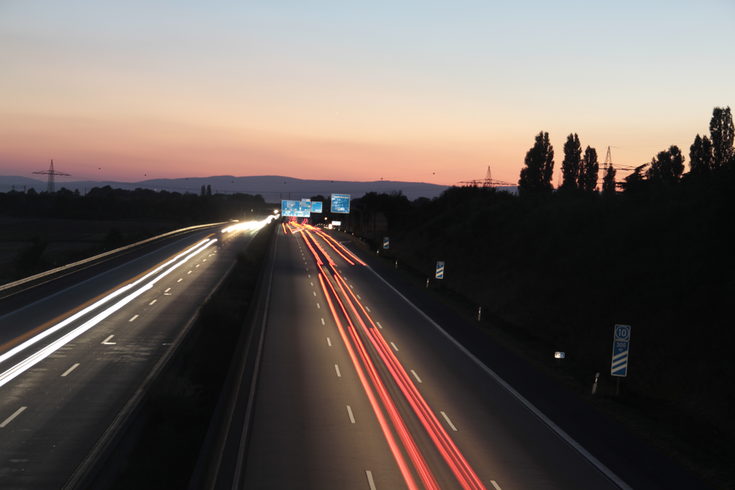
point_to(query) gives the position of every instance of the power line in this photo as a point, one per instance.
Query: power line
(51, 174)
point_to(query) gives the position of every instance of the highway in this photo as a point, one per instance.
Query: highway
(359, 389)
(72, 358)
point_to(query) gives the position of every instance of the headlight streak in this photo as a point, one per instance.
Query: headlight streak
(43, 353)
(459, 466)
(251, 225)
(95, 305)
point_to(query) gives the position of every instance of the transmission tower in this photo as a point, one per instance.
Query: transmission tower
(608, 159)
(51, 173)
(486, 182)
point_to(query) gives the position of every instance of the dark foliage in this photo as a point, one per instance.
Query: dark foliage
(111, 204)
(701, 158)
(588, 171)
(722, 134)
(536, 175)
(571, 166)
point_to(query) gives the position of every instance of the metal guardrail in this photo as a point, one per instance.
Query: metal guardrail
(42, 277)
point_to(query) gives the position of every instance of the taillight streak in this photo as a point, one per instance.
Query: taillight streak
(449, 451)
(395, 450)
(403, 433)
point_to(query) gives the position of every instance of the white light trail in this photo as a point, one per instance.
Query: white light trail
(46, 351)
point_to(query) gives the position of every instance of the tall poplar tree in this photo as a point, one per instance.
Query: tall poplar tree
(722, 133)
(536, 176)
(590, 167)
(570, 167)
(701, 159)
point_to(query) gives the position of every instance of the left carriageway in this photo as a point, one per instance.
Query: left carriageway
(73, 356)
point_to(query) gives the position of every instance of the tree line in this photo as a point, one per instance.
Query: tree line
(580, 172)
(107, 203)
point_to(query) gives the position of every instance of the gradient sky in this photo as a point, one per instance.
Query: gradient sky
(401, 90)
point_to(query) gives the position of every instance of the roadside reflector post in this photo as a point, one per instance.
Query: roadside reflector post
(594, 384)
(396, 263)
(479, 313)
(427, 282)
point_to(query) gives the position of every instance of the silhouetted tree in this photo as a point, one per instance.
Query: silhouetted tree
(667, 166)
(570, 167)
(636, 179)
(589, 169)
(722, 133)
(608, 182)
(536, 176)
(701, 159)
(209, 190)
(203, 191)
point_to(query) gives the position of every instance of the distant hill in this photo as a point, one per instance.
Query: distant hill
(272, 187)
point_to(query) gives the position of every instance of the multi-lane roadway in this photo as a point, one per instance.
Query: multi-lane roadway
(72, 360)
(360, 389)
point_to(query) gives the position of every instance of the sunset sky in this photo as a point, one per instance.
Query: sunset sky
(400, 90)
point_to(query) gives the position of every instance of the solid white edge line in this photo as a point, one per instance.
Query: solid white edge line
(10, 419)
(68, 371)
(416, 376)
(530, 406)
(371, 482)
(495, 485)
(446, 417)
(349, 412)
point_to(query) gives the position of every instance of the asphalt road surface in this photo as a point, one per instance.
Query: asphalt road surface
(71, 359)
(359, 389)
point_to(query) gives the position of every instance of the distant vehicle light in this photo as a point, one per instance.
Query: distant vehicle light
(560, 355)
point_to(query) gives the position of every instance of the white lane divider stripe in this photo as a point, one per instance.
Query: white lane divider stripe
(336, 368)
(495, 485)
(152, 302)
(10, 419)
(133, 318)
(379, 325)
(394, 346)
(367, 308)
(371, 482)
(349, 412)
(446, 417)
(329, 342)
(318, 306)
(180, 279)
(167, 290)
(107, 341)
(416, 376)
(323, 322)
(314, 293)
(68, 371)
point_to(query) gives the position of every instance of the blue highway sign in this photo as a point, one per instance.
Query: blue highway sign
(298, 209)
(621, 351)
(439, 269)
(341, 203)
(316, 206)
